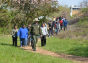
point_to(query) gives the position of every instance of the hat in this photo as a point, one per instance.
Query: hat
(36, 19)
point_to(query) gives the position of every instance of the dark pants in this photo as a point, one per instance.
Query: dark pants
(61, 26)
(50, 32)
(34, 41)
(14, 41)
(65, 27)
(43, 40)
(22, 40)
(57, 30)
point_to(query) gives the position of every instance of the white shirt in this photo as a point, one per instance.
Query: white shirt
(44, 30)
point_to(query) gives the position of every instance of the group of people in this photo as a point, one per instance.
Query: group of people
(57, 25)
(29, 35)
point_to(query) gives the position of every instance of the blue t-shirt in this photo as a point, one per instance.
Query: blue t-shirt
(65, 22)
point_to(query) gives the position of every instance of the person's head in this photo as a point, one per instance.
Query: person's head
(62, 17)
(29, 25)
(36, 20)
(50, 21)
(23, 26)
(43, 25)
(15, 27)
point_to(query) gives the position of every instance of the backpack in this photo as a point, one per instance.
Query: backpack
(61, 22)
(35, 30)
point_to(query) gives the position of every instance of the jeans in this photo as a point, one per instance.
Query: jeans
(22, 40)
(57, 30)
(25, 41)
(50, 32)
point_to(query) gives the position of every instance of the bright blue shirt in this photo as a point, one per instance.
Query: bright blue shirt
(23, 33)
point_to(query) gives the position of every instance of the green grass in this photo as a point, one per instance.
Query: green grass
(83, 22)
(11, 54)
(67, 46)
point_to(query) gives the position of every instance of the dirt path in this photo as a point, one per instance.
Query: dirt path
(75, 59)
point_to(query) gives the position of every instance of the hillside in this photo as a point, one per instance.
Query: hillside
(79, 30)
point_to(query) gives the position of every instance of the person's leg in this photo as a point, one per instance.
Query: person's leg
(44, 40)
(61, 27)
(28, 43)
(36, 39)
(64, 28)
(56, 31)
(52, 31)
(22, 42)
(25, 41)
(15, 41)
(31, 40)
(34, 43)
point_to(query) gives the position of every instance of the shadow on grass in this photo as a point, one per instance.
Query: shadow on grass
(79, 51)
(6, 44)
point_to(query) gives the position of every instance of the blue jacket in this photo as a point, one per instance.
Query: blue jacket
(65, 22)
(23, 33)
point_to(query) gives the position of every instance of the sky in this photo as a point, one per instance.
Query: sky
(70, 2)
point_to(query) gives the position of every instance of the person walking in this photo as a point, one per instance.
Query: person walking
(57, 26)
(53, 26)
(43, 35)
(23, 34)
(14, 35)
(35, 33)
(65, 22)
(29, 35)
(50, 28)
(61, 24)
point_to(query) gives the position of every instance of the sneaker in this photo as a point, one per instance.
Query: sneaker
(34, 50)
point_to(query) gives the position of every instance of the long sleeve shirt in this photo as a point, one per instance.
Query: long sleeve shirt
(14, 32)
(23, 33)
(44, 31)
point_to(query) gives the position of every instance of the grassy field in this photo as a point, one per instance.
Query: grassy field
(11, 54)
(67, 46)
(83, 22)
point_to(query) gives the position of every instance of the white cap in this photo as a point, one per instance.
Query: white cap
(36, 19)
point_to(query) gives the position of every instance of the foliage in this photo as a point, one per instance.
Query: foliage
(62, 11)
(84, 6)
(83, 22)
(12, 13)
(85, 12)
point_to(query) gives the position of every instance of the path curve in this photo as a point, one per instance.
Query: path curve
(76, 59)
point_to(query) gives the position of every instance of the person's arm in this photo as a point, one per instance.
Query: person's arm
(18, 33)
(46, 31)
